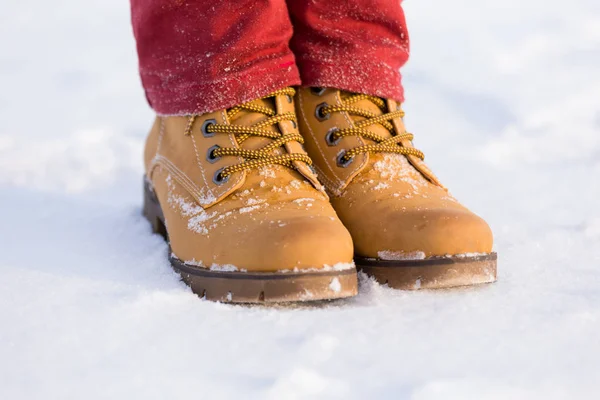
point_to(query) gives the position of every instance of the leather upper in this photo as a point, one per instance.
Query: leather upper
(392, 204)
(268, 219)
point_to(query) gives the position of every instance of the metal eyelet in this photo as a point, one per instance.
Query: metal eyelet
(321, 116)
(210, 154)
(294, 125)
(329, 137)
(317, 91)
(220, 179)
(289, 98)
(343, 162)
(205, 126)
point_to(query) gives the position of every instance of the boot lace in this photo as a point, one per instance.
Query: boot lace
(263, 156)
(382, 145)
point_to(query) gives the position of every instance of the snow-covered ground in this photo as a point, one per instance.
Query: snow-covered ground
(503, 96)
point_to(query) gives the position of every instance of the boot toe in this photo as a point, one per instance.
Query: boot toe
(423, 233)
(293, 244)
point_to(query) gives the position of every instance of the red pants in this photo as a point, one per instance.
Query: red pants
(197, 56)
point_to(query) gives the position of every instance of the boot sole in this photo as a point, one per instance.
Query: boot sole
(431, 273)
(252, 287)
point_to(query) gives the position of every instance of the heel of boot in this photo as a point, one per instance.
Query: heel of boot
(152, 210)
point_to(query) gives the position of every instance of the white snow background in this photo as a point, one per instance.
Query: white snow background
(503, 97)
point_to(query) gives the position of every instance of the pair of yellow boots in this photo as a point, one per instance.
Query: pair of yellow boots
(237, 195)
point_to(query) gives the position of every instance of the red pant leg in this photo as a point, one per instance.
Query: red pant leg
(355, 45)
(198, 55)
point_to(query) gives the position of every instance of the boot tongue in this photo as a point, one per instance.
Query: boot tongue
(248, 118)
(368, 105)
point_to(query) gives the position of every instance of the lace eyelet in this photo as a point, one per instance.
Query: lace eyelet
(210, 154)
(219, 179)
(321, 116)
(289, 98)
(205, 125)
(343, 162)
(317, 91)
(329, 137)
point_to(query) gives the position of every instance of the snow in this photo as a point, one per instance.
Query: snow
(212, 267)
(503, 100)
(245, 210)
(335, 285)
(224, 268)
(466, 255)
(304, 201)
(197, 216)
(417, 284)
(400, 255)
(341, 266)
(381, 185)
(395, 167)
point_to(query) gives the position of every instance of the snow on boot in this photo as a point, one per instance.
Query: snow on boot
(408, 231)
(245, 216)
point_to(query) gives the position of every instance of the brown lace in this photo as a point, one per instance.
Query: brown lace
(263, 156)
(382, 145)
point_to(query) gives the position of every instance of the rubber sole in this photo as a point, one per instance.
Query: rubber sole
(252, 287)
(431, 273)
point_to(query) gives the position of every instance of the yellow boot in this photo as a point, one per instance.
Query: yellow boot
(408, 231)
(246, 218)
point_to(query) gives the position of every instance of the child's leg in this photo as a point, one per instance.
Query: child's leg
(354, 45)
(193, 61)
